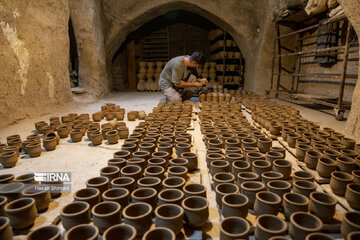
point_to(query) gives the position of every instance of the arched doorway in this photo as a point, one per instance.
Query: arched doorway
(74, 57)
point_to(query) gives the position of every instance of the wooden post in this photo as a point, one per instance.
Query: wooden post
(131, 64)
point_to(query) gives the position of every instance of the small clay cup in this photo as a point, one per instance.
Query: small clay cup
(120, 232)
(132, 171)
(235, 204)
(345, 164)
(194, 189)
(268, 226)
(192, 160)
(325, 167)
(302, 224)
(125, 154)
(279, 187)
(338, 182)
(131, 147)
(179, 162)
(119, 195)
(159, 233)
(352, 195)
(270, 176)
(110, 172)
(21, 213)
(322, 205)
(264, 144)
(272, 155)
(42, 197)
(250, 188)
(100, 183)
(266, 203)
(150, 182)
(74, 214)
(76, 135)
(50, 232)
(113, 138)
(170, 196)
(147, 195)
(178, 171)
(224, 189)
(260, 166)
(319, 236)
(117, 162)
(246, 176)
(173, 183)
(196, 211)
(106, 214)
(234, 228)
(303, 175)
(82, 231)
(311, 158)
(240, 166)
(304, 187)
(139, 216)
(8, 159)
(223, 177)
(294, 202)
(219, 166)
(350, 223)
(5, 230)
(124, 182)
(169, 216)
(89, 195)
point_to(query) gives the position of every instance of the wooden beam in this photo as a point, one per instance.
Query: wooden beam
(131, 64)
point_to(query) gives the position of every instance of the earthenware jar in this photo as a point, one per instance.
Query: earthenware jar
(12, 191)
(51, 232)
(5, 230)
(74, 214)
(132, 171)
(192, 160)
(171, 196)
(159, 233)
(110, 172)
(147, 195)
(89, 195)
(235, 204)
(294, 202)
(270, 175)
(264, 144)
(260, 166)
(169, 216)
(338, 182)
(139, 216)
(301, 150)
(319, 236)
(223, 177)
(253, 156)
(246, 176)
(311, 158)
(131, 115)
(268, 226)
(100, 183)
(279, 187)
(345, 164)
(282, 166)
(302, 224)
(325, 166)
(49, 143)
(291, 139)
(173, 183)
(106, 214)
(219, 166)
(82, 231)
(224, 189)
(348, 143)
(352, 195)
(266, 203)
(124, 182)
(120, 231)
(113, 138)
(8, 159)
(150, 182)
(21, 212)
(122, 154)
(178, 171)
(304, 187)
(322, 205)
(141, 154)
(350, 223)
(240, 166)
(196, 211)
(34, 149)
(250, 188)
(42, 197)
(303, 175)
(76, 135)
(234, 228)
(96, 138)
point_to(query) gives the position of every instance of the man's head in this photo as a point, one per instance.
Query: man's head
(197, 59)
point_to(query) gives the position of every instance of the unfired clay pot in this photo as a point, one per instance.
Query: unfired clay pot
(322, 205)
(294, 202)
(8, 159)
(146, 195)
(50, 232)
(268, 226)
(42, 197)
(302, 223)
(234, 228)
(196, 211)
(338, 182)
(106, 214)
(325, 167)
(138, 215)
(89, 195)
(123, 182)
(120, 232)
(74, 214)
(352, 195)
(159, 233)
(235, 204)
(150, 182)
(304, 187)
(82, 231)
(5, 230)
(173, 182)
(21, 213)
(100, 183)
(169, 216)
(119, 195)
(267, 203)
(350, 223)
(250, 188)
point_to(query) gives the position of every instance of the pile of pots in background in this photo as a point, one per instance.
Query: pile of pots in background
(250, 175)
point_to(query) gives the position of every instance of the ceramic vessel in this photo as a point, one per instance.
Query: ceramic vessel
(352, 195)
(5, 230)
(322, 205)
(159, 233)
(105, 215)
(302, 224)
(146, 195)
(120, 232)
(304, 187)
(123, 182)
(234, 228)
(74, 214)
(268, 226)
(235, 204)
(267, 203)
(338, 182)
(350, 223)
(169, 216)
(196, 211)
(294, 202)
(100, 183)
(82, 231)
(50, 232)
(89, 195)
(42, 197)
(138, 215)
(250, 188)
(194, 189)
(224, 189)
(173, 182)
(21, 213)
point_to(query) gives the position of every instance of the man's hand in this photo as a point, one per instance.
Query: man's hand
(204, 81)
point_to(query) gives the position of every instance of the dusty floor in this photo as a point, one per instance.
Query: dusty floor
(85, 161)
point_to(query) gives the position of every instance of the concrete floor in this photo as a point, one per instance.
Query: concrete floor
(85, 161)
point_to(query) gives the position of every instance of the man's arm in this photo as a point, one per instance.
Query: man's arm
(183, 84)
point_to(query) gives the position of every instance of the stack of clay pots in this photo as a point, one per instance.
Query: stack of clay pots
(248, 172)
(151, 72)
(146, 178)
(219, 94)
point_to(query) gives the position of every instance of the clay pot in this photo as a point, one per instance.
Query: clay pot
(113, 138)
(110, 172)
(303, 175)
(304, 187)
(250, 188)
(76, 135)
(123, 182)
(50, 232)
(166, 147)
(355, 173)
(260, 166)
(322, 205)
(147, 147)
(155, 171)
(171, 196)
(119, 195)
(6, 178)
(21, 213)
(270, 176)
(350, 223)
(173, 183)
(3, 202)
(294, 202)
(223, 177)
(352, 195)
(131, 116)
(302, 224)
(63, 131)
(8, 159)
(192, 160)
(345, 164)
(301, 150)
(96, 138)
(234, 228)
(279, 187)
(246, 176)
(268, 226)
(291, 139)
(182, 148)
(318, 236)
(26, 178)
(132, 171)
(248, 142)
(254, 156)
(49, 143)
(348, 143)
(349, 153)
(235, 204)
(179, 162)
(74, 214)
(123, 132)
(141, 154)
(5, 230)
(117, 162)
(138, 215)
(264, 144)
(160, 154)
(196, 211)
(106, 214)
(282, 166)
(338, 182)
(219, 166)
(82, 231)
(278, 149)
(147, 195)
(120, 232)
(89, 195)
(233, 156)
(122, 154)
(240, 166)
(130, 147)
(325, 167)
(12, 191)
(169, 216)
(311, 158)
(100, 183)
(159, 233)
(150, 182)
(224, 189)
(178, 171)
(140, 162)
(42, 197)
(266, 203)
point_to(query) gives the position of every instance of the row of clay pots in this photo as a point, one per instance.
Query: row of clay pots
(215, 97)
